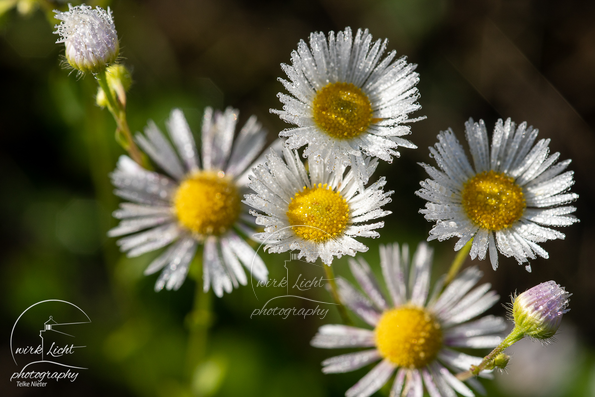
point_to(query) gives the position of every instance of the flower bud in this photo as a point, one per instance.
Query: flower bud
(90, 37)
(119, 81)
(538, 311)
(500, 361)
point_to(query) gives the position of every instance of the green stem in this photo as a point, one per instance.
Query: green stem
(328, 269)
(457, 263)
(199, 320)
(118, 110)
(511, 339)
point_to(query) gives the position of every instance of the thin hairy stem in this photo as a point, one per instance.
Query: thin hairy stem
(328, 269)
(457, 263)
(117, 109)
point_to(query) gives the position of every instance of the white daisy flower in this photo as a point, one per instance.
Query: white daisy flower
(418, 334)
(319, 213)
(345, 99)
(194, 204)
(506, 200)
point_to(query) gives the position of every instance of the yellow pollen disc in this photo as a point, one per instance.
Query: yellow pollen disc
(409, 337)
(318, 214)
(493, 201)
(207, 203)
(342, 110)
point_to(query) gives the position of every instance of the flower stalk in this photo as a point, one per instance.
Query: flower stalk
(488, 361)
(457, 263)
(199, 320)
(118, 110)
(328, 269)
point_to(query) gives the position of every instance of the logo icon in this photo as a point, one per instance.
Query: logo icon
(51, 356)
(298, 282)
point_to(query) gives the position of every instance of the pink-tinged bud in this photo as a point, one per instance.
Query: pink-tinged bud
(538, 311)
(90, 37)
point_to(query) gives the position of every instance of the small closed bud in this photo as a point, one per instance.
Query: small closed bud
(500, 362)
(119, 81)
(90, 37)
(538, 311)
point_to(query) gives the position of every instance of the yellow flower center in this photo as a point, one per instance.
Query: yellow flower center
(493, 201)
(342, 110)
(409, 337)
(207, 203)
(318, 214)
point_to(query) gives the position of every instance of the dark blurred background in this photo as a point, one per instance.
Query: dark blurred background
(532, 61)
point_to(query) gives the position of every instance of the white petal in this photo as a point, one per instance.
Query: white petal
(419, 283)
(357, 302)
(364, 276)
(350, 362)
(180, 133)
(372, 381)
(339, 336)
(213, 272)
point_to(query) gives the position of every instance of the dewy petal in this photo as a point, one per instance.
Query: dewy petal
(475, 303)
(458, 360)
(357, 302)
(166, 257)
(394, 272)
(362, 272)
(134, 180)
(483, 326)
(477, 136)
(160, 151)
(458, 288)
(415, 384)
(349, 362)
(176, 270)
(445, 389)
(247, 146)
(455, 383)
(372, 381)
(135, 225)
(478, 342)
(149, 240)
(214, 273)
(420, 276)
(398, 384)
(230, 259)
(130, 210)
(340, 336)
(180, 133)
(429, 383)
(248, 257)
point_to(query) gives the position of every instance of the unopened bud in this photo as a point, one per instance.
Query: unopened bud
(90, 37)
(119, 81)
(500, 362)
(538, 311)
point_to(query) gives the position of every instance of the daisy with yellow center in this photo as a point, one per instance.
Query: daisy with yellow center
(418, 334)
(346, 99)
(506, 201)
(193, 205)
(319, 213)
